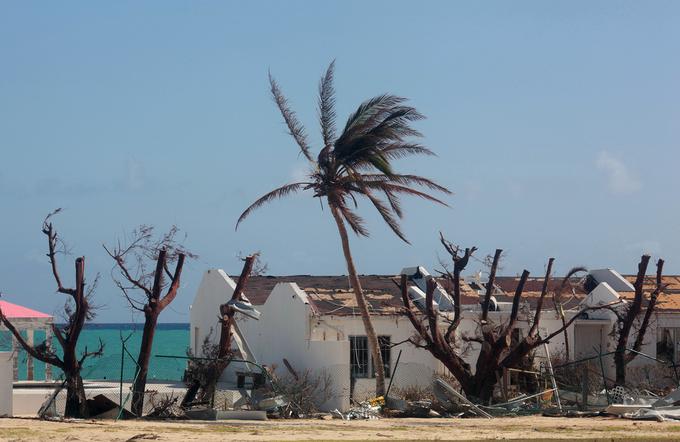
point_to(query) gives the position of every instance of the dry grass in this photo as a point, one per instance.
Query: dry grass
(520, 428)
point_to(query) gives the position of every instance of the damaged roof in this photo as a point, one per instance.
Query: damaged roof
(668, 301)
(572, 293)
(332, 295)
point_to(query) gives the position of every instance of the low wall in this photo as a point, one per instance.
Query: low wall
(6, 383)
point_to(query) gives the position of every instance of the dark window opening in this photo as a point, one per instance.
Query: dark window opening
(358, 356)
(361, 364)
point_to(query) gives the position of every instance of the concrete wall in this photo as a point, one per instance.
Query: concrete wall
(289, 328)
(416, 366)
(215, 289)
(6, 383)
(283, 331)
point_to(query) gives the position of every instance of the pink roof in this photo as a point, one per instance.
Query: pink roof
(17, 311)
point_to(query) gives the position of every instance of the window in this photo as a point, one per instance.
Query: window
(361, 364)
(516, 337)
(667, 343)
(358, 356)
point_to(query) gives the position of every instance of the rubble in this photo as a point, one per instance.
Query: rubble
(448, 396)
(649, 407)
(404, 408)
(362, 411)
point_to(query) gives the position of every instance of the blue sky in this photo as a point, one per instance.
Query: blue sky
(556, 125)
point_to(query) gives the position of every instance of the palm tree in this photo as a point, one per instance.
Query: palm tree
(357, 163)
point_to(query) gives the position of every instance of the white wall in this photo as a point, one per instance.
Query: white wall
(283, 331)
(6, 383)
(288, 328)
(216, 288)
(416, 366)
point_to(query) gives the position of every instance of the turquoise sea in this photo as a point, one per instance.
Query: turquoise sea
(169, 340)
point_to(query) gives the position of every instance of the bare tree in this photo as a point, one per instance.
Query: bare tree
(227, 312)
(497, 349)
(630, 314)
(559, 300)
(209, 372)
(143, 287)
(78, 310)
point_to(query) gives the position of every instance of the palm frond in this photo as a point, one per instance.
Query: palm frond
(394, 201)
(274, 194)
(368, 111)
(381, 163)
(327, 106)
(295, 128)
(356, 223)
(406, 180)
(395, 189)
(396, 124)
(386, 214)
(401, 150)
(361, 159)
(360, 145)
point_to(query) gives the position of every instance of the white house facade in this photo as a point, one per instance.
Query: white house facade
(312, 323)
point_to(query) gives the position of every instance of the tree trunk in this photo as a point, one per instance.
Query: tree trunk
(620, 363)
(143, 362)
(76, 404)
(373, 344)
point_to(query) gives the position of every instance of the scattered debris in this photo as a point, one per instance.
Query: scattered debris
(656, 414)
(670, 400)
(362, 411)
(446, 394)
(143, 436)
(404, 408)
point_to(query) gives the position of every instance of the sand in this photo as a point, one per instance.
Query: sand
(520, 428)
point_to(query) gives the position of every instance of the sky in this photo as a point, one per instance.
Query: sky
(556, 125)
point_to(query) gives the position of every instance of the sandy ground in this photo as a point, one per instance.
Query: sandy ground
(520, 428)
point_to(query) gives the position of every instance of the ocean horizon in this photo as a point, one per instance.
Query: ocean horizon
(171, 339)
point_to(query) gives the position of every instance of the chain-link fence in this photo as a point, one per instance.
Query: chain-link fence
(294, 393)
(109, 384)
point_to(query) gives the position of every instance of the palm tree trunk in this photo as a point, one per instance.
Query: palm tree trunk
(373, 344)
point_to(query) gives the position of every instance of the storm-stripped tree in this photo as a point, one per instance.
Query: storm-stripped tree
(146, 288)
(628, 318)
(357, 163)
(78, 310)
(440, 334)
(211, 371)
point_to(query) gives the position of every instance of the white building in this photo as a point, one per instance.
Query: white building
(312, 322)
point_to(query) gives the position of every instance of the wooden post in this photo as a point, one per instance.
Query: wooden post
(29, 359)
(15, 360)
(584, 386)
(552, 376)
(48, 342)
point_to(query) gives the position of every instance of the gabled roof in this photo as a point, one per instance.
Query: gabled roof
(20, 312)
